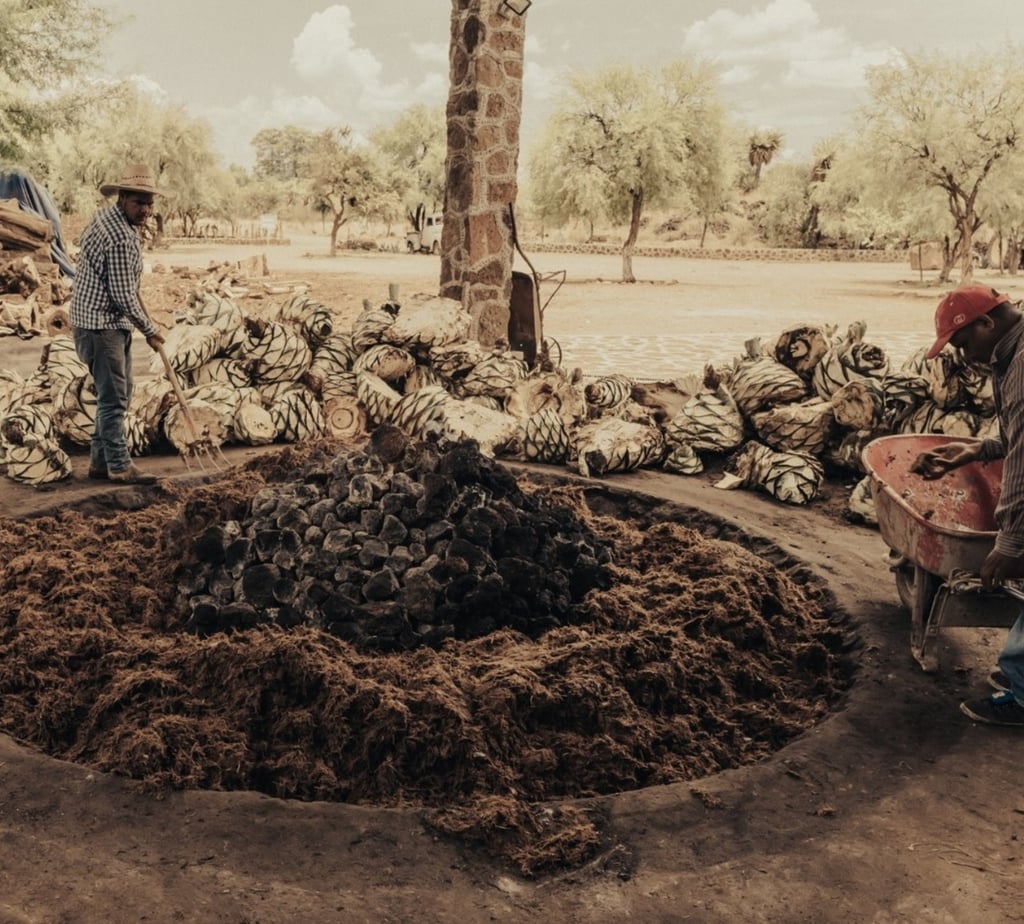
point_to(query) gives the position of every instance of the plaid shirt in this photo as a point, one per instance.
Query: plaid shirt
(1008, 390)
(105, 292)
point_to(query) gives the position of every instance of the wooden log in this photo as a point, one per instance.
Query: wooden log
(23, 227)
(19, 275)
(255, 265)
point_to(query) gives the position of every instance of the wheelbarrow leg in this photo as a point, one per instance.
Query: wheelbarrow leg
(924, 630)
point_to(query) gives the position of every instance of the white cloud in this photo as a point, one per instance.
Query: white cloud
(308, 111)
(541, 82)
(325, 48)
(433, 89)
(738, 73)
(148, 87)
(838, 72)
(780, 65)
(431, 53)
(785, 37)
(731, 36)
(350, 80)
(235, 126)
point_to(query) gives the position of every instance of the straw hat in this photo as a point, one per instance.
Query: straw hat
(136, 178)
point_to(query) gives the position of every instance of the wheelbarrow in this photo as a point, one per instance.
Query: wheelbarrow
(939, 533)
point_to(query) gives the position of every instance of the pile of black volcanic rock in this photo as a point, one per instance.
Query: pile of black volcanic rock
(398, 545)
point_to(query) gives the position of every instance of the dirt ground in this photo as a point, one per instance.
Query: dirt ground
(893, 809)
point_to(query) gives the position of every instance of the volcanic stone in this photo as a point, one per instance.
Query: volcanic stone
(382, 585)
(392, 530)
(373, 553)
(258, 584)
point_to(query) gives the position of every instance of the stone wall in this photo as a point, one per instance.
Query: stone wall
(766, 254)
(217, 241)
(483, 114)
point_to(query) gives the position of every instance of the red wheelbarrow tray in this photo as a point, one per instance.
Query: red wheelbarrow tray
(942, 525)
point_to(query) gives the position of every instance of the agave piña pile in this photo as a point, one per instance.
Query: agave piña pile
(779, 416)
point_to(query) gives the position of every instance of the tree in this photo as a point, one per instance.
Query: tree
(417, 144)
(948, 122)
(258, 196)
(130, 126)
(762, 146)
(346, 179)
(782, 220)
(856, 196)
(714, 178)
(45, 44)
(282, 153)
(626, 139)
(561, 191)
(1001, 204)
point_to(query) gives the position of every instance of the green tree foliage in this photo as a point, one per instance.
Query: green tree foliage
(949, 122)
(1002, 206)
(860, 199)
(44, 45)
(626, 139)
(417, 144)
(347, 179)
(561, 192)
(762, 146)
(45, 41)
(784, 218)
(282, 153)
(279, 178)
(129, 126)
(259, 196)
(713, 179)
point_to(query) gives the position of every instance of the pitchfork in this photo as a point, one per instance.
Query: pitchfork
(198, 447)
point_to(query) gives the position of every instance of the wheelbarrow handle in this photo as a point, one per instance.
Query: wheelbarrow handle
(968, 582)
(1014, 592)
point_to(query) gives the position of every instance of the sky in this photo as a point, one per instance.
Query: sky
(793, 66)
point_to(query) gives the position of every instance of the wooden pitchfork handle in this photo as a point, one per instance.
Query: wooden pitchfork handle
(173, 378)
(179, 394)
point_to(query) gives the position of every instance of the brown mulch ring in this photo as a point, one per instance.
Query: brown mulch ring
(700, 656)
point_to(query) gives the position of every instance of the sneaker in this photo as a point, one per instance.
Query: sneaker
(997, 709)
(999, 681)
(131, 475)
(98, 473)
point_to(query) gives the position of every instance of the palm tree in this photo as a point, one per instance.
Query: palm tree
(763, 146)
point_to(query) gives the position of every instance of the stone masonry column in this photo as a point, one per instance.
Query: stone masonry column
(485, 101)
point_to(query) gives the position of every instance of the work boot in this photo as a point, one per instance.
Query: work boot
(999, 681)
(997, 709)
(131, 475)
(98, 472)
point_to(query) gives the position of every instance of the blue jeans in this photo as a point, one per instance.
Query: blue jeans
(1011, 658)
(108, 356)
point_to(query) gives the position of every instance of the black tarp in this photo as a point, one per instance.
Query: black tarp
(16, 184)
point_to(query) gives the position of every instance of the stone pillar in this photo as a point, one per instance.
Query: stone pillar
(485, 100)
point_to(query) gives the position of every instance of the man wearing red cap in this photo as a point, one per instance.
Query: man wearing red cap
(988, 328)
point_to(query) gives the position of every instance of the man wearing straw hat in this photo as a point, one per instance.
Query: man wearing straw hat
(106, 310)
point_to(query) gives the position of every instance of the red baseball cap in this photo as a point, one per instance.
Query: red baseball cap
(958, 309)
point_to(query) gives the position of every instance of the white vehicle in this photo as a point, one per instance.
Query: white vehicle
(427, 239)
